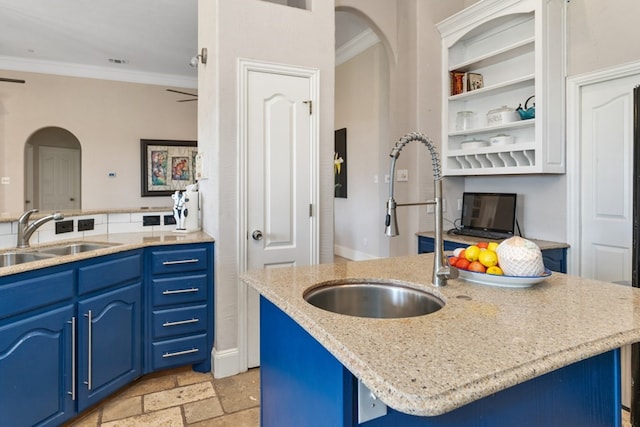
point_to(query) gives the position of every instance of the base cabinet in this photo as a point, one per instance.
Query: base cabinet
(71, 335)
(36, 369)
(301, 383)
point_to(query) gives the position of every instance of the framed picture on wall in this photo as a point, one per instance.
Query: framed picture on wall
(167, 166)
(340, 163)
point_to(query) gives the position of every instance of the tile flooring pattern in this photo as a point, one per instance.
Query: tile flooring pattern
(180, 397)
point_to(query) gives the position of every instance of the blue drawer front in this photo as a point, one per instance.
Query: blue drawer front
(28, 294)
(179, 351)
(179, 261)
(179, 321)
(112, 272)
(179, 290)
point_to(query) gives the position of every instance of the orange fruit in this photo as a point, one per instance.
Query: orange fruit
(482, 245)
(462, 264)
(453, 260)
(477, 267)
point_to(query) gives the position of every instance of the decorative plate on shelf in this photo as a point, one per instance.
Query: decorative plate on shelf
(503, 281)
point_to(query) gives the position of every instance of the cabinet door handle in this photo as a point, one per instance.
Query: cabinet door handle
(181, 322)
(73, 358)
(180, 353)
(180, 291)
(181, 261)
(90, 350)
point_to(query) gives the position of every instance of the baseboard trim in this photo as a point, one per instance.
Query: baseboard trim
(225, 362)
(352, 254)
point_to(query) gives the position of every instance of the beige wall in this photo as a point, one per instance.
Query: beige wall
(361, 105)
(109, 118)
(268, 32)
(601, 34)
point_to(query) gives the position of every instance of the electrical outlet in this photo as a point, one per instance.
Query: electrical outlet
(386, 178)
(64, 226)
(459, 204)
(402, 175)
(85, 224)
(148, 220)
(169, 220)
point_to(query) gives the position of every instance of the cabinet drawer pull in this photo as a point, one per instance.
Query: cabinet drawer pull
(181, 261)
(73, 358)
(180, 322)
(180, 291)
(89, 350)
(180, 353)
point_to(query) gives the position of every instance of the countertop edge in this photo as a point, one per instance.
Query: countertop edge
(453, 398)
(121, 242)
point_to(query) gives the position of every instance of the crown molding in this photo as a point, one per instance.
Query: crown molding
(356, 46)
(94, 72)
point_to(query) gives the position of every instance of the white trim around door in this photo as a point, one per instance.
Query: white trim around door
(246, 66)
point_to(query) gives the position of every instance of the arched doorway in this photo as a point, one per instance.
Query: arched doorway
(52, 158)
(362, 85)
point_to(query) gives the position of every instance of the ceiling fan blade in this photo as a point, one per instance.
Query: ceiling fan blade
(4, 79)
(182, 93)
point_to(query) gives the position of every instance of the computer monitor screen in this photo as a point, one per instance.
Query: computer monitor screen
(495, 212)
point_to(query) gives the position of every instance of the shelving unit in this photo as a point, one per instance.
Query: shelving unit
(518, 48)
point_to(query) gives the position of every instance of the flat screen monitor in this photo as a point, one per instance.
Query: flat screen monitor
(492, 212)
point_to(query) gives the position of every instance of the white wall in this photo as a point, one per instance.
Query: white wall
(109, 118)
(359, 102)
(261, 31)
(412, 45)
(601, 34)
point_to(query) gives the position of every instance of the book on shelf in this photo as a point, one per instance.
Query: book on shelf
(458, 82)
(474, 81)
(464, 82)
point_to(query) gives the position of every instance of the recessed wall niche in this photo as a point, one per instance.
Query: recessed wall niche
(300, 4)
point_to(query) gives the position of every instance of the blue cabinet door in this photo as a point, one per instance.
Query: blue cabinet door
(109, 342)
(36, 369)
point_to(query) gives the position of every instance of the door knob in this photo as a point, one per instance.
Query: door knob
(257, 235)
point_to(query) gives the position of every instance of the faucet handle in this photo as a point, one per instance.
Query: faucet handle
(25, 216)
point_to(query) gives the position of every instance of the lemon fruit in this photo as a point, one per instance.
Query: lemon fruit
(488, 258)
(472, 253)
(495, 270)
(492, 246)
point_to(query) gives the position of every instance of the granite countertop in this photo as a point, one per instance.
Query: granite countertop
(120, 241)
(471, 240)
(484, 340)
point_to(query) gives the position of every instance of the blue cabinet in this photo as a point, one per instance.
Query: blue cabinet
(73, 334)
(36, 369)
(180, 307)
(554, 259)
(301, 383)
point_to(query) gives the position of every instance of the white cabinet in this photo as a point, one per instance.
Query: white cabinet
(517, 46)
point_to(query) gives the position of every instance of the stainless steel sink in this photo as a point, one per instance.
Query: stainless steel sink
(73, 248)
(8, 259)
(376, 299)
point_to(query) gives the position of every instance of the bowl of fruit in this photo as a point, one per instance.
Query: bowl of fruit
(514, 263)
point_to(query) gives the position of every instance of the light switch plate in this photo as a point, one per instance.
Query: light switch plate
(402, 175)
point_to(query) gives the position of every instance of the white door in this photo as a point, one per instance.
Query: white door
(279, 179)
(59, 178)
(606, 128)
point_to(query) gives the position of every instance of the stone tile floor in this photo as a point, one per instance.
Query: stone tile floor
(180, 397)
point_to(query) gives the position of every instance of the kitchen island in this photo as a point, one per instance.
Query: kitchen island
(544, 355)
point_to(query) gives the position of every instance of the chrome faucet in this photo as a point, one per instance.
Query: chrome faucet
(25, 230)
(441, 271)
